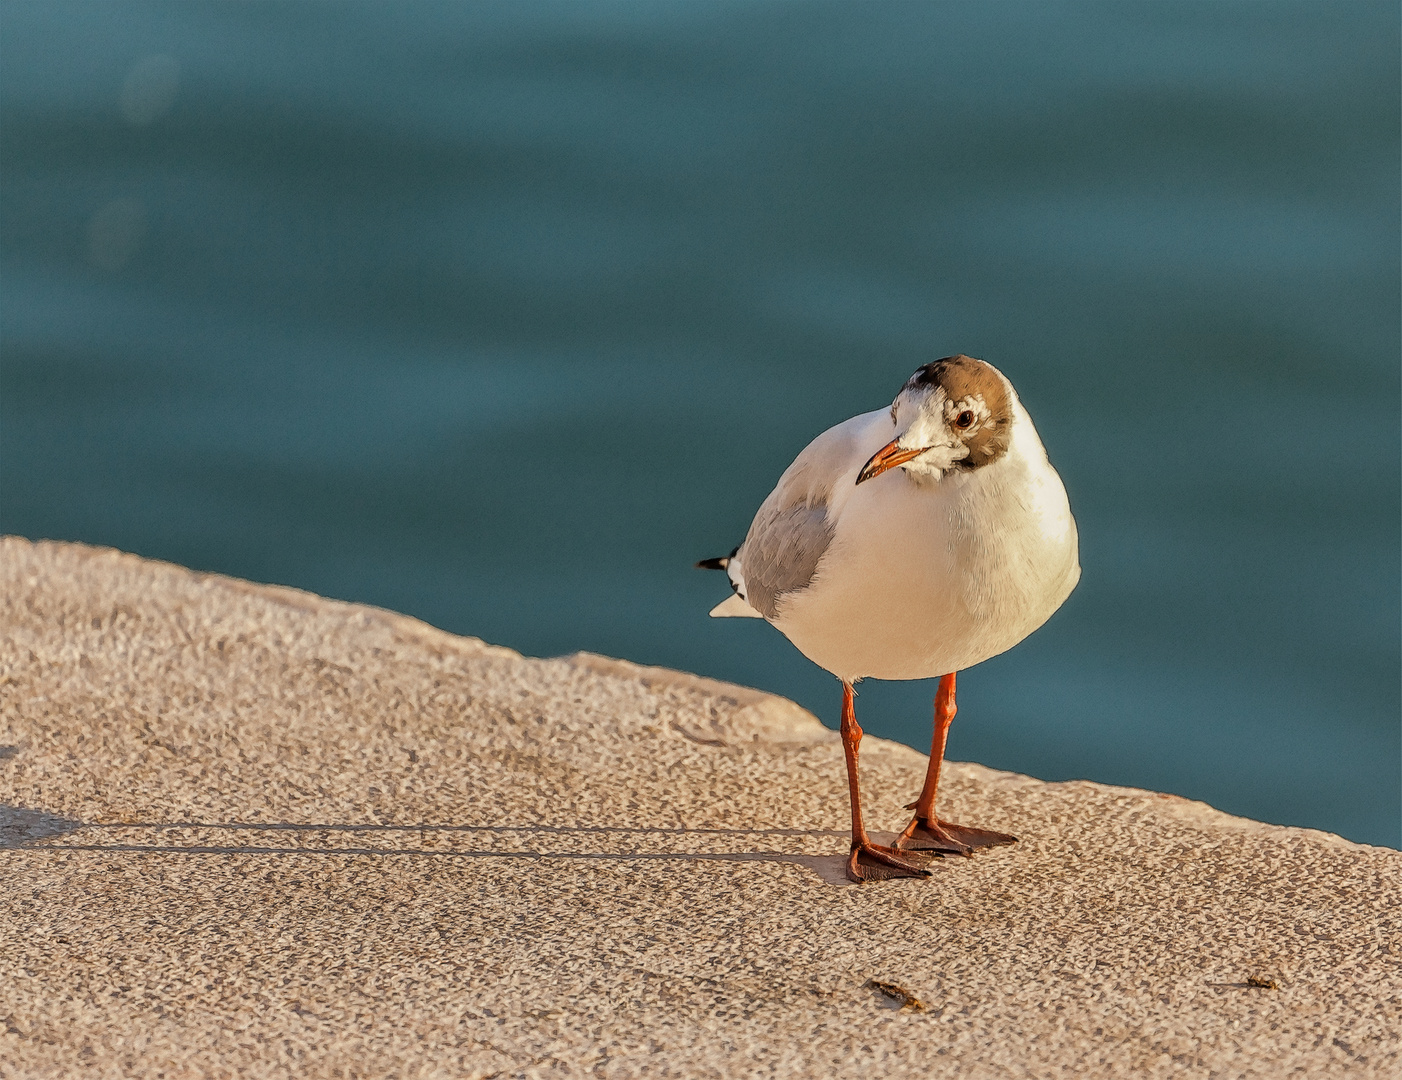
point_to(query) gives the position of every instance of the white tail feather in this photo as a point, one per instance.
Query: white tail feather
(732, 607)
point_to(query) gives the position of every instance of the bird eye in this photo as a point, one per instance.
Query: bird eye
(964, 419)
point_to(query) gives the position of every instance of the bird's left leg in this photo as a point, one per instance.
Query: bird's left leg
(926, 832)
(868, 861)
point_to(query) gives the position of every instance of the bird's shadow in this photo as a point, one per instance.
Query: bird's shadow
(21, 827)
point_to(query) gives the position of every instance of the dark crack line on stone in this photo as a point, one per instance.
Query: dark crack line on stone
(274, 826)
(209, 849)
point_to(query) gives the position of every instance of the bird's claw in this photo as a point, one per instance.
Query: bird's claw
(875, 862)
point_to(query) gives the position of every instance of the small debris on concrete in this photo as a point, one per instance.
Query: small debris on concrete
(898, 994)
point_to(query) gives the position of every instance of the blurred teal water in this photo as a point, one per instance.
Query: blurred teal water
(502, 315)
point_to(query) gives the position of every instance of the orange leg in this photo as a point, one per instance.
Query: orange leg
(869, 861)
(926, 832)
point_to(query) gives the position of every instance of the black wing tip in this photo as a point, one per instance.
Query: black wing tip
(718, 564)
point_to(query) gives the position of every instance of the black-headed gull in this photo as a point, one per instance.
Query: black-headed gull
(909, 543)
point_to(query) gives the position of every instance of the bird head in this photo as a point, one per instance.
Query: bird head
(956, 413)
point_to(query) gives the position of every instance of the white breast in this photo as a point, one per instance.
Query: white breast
(924, 579)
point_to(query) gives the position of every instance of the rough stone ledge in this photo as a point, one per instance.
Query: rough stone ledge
(248, 831)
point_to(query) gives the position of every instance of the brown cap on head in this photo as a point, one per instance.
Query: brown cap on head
(971, 385)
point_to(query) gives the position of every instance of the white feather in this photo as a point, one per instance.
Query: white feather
(732, 607)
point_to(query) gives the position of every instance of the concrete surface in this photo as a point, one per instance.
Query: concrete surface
(251, 832)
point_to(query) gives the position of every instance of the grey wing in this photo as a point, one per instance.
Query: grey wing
(795, 524)
(781, 553)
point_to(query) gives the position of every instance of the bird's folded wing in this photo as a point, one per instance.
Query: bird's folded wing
(793, 528)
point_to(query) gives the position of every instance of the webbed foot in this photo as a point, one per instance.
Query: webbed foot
(947, 838)
(876, 862)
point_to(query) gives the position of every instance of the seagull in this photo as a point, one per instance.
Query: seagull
(911, 543)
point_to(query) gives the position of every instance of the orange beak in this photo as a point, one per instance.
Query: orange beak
(888, 457)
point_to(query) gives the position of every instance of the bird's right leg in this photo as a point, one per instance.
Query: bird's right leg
(868, 861)
(926, 832)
